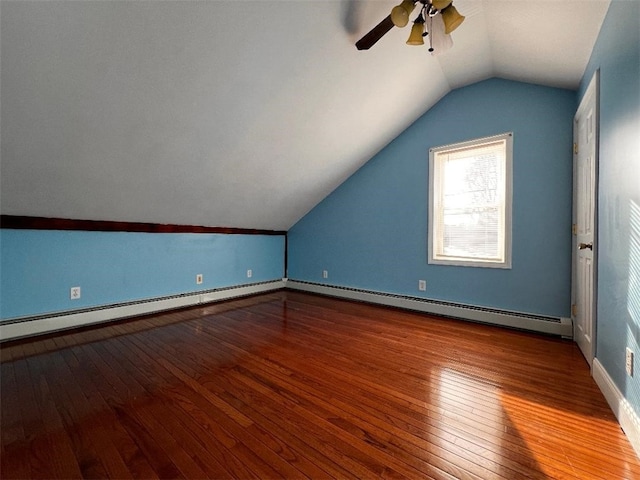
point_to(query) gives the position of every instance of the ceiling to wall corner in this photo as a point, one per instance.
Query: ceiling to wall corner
(237, 113)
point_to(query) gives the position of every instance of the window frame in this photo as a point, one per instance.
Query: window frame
(435, 195)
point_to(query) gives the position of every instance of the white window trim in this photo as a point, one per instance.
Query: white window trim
(465, 262)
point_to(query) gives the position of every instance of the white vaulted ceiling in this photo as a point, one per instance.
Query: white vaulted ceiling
(237, 113)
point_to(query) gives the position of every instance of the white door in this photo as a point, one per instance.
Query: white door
(585, 134)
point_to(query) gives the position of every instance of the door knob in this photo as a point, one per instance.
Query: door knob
(583, 246)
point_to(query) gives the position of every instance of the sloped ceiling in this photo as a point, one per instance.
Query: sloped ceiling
(237, 113)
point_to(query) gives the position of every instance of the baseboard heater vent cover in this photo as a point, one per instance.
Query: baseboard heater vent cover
(560, 326)
(14, 328)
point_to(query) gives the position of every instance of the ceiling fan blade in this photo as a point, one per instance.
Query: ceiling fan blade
(376, 33)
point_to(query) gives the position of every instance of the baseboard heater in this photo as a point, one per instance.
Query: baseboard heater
(538, 323)
(15, 328)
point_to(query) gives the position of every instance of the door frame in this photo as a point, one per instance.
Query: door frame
(592, 89)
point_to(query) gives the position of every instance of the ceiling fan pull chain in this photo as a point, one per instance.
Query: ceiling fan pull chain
(430, 36)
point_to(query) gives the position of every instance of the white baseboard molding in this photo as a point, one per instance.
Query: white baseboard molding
(554, 326)
(624, 412)
(28, 326)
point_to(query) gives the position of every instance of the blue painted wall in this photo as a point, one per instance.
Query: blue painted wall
(39, 267)
(617, 56)
(371, 232)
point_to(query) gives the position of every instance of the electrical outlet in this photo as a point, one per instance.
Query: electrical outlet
(75, 293)
(629, 362)
(249, 273)
(422, 285)
(199, 279)
(325, 274)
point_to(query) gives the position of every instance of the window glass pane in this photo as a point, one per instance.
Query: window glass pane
(472, 233)
(468, 220)
(470, 203)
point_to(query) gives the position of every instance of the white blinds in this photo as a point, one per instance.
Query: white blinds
(470, 202)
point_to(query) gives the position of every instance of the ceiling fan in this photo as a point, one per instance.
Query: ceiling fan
(442, 16)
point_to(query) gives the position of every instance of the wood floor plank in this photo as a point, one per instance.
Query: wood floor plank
(291, 450)
(107, 390)
(293, 385)
(89, 442)
(379, 422)
(13, 436)
(52, 438)
(245, 456)
(295, 448)
(143, 422)
(114, 446)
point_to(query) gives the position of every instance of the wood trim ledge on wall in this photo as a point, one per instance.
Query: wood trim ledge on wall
(45, 223)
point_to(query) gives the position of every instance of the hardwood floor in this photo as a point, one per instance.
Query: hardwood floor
(291, 385)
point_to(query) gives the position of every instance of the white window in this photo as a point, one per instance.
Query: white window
(470, 203)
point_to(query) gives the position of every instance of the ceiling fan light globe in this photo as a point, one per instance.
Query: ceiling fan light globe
(452, 19)
(399, 16)
(400, 13)
(440, 4)
(415, 37)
